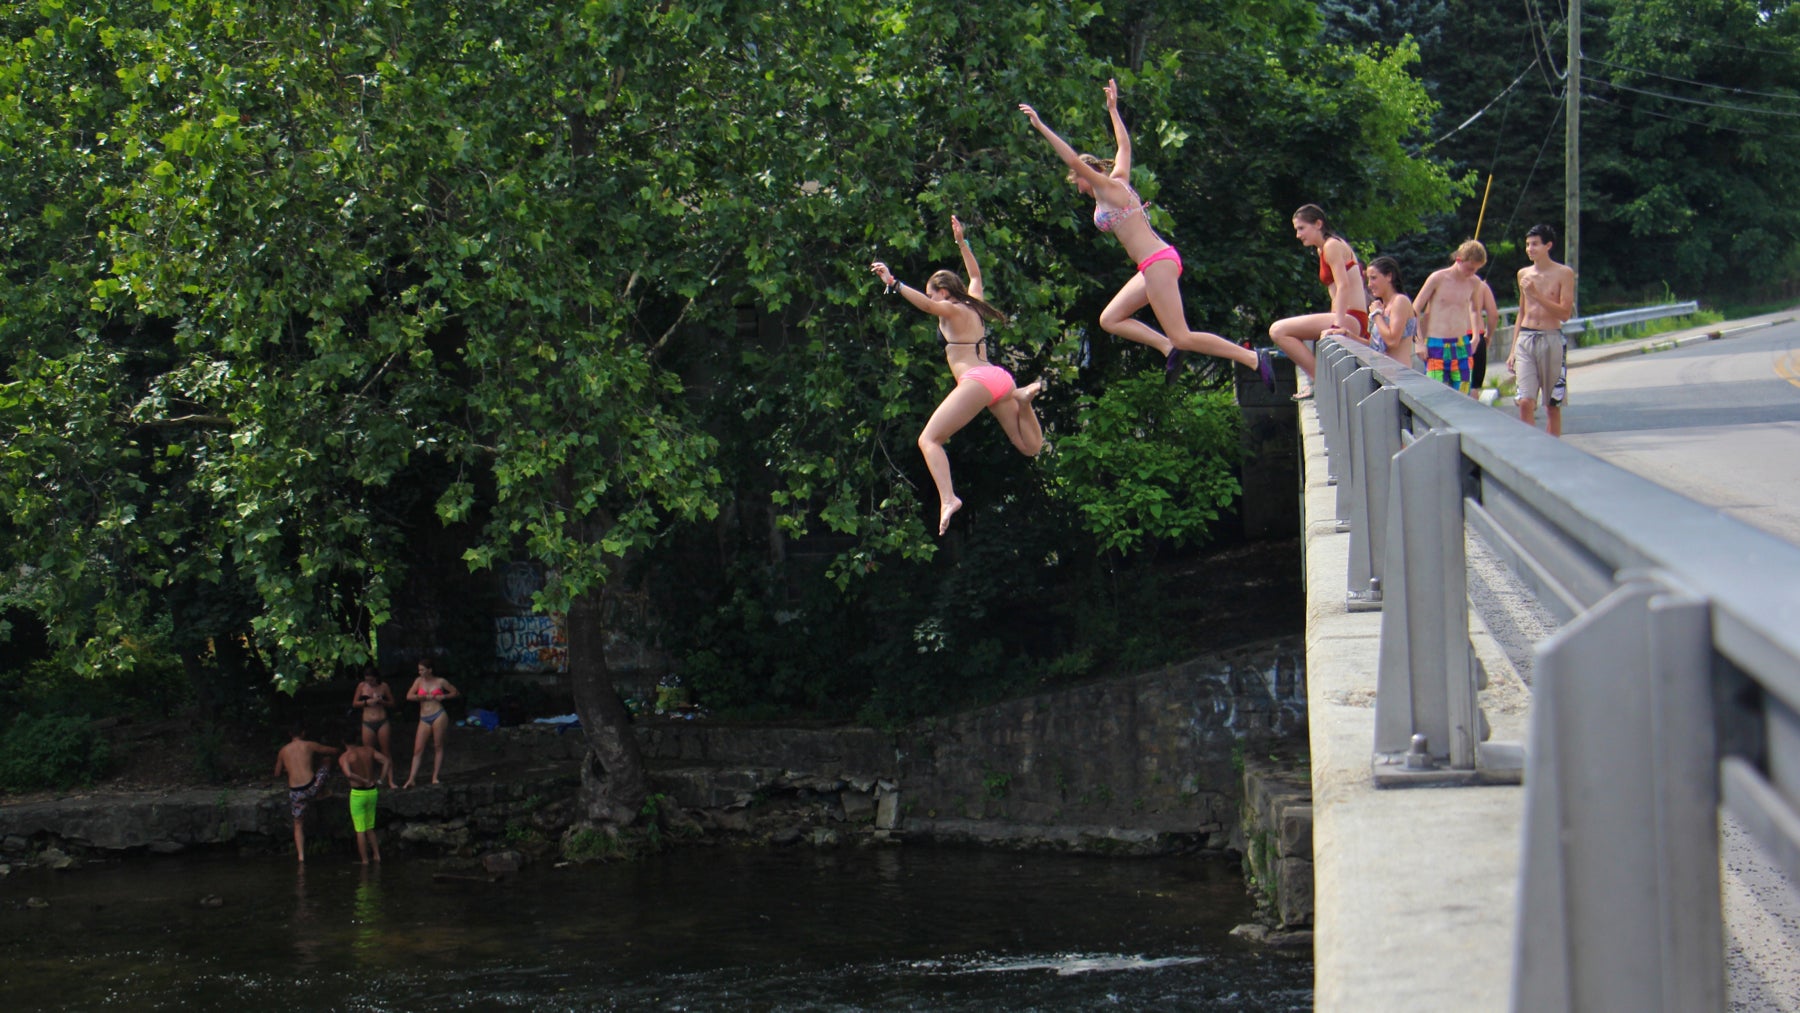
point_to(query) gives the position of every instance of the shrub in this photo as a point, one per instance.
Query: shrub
(51, 751)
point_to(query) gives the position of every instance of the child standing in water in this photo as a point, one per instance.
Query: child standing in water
(295, 761)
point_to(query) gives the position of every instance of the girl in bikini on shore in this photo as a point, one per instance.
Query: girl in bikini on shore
(1157, 284)
(374, 697)
(1341, 277)
(434, 721)
(962, 315)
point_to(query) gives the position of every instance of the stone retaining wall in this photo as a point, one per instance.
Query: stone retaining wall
(1277, 839)
(1133, 766)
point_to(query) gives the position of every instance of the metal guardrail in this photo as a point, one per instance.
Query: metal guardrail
(1623, 318)
(1673, 685)
(1574, 329)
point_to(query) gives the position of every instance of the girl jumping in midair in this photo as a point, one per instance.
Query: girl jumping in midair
(961, 314)
(1118, 210)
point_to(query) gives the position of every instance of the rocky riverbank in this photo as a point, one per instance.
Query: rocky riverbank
(1146, 765)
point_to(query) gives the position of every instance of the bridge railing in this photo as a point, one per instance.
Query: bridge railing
(1673, 685)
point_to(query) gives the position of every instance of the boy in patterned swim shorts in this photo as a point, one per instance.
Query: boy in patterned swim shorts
(1443, 307)
(295, 760)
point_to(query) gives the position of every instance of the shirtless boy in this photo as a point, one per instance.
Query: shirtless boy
(1443, 307)
(295, 760)
(1484, 323)
(1546, 301)
(374, 697)
(359, 766)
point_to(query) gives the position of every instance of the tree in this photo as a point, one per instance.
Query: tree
(1698, 108)
(592, 281)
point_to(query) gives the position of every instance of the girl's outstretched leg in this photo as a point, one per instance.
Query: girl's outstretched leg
(953, 413)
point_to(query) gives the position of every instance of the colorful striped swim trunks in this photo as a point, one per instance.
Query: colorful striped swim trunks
(1447, 361)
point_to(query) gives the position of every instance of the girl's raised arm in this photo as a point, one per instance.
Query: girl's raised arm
(1122, 158)
(919, 300)
(970, 266)
(1069, 156)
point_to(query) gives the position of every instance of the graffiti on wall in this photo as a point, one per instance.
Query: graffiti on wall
(531, 643)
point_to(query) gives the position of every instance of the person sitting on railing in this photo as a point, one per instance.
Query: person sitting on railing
(1393, 326)
(1349, 299)
(1546, 302)
(1443, 306)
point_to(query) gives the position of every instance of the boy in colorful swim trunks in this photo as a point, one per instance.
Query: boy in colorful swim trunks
(359, 766)
(1443, 307)
(295, 760)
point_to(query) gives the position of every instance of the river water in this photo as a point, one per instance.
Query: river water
(698, 929)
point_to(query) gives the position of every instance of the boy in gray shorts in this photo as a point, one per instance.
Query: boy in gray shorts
(1546, 299)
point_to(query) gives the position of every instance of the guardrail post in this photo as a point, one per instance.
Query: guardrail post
(1325, 383)
(1376, 425)
(1428, 722)
(1357, 384)
(1619, 906)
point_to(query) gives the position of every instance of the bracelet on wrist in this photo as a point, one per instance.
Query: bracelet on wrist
(894, 287)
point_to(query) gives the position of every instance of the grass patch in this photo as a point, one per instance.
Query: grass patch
(1651, 328)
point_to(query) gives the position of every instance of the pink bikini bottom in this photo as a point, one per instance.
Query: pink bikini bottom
(998, 382)
(1166, 253)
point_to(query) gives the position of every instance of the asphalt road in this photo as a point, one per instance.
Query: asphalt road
(1717, 421)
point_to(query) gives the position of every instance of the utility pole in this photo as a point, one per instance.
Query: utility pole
(1571, 250)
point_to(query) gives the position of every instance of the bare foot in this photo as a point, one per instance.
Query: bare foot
(1029, 392)
(408, 783)
(947, 511)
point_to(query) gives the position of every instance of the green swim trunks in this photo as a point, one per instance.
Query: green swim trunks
(362, 809)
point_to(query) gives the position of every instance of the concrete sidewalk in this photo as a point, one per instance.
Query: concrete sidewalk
(1415, 890)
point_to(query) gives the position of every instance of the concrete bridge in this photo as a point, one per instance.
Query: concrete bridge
(1487, 606)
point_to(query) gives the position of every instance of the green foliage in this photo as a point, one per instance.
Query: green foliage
(51, 751)
(1153, 462)
(588, 285)
(519, 833)
(996, 784)
(589, 844)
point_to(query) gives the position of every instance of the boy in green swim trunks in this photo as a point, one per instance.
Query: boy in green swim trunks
(359, 766)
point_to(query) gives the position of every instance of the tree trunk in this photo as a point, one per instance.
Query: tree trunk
(613, 784)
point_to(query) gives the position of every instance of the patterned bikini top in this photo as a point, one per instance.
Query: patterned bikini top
(1108, 218)
(1376, 342)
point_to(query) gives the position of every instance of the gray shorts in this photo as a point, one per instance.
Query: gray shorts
(1538, 363)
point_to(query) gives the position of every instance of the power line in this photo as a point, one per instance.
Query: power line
(1684, 119)
(1697, 84)
(1732, 45)
(1526, 188)
(1478, 113)
(1692, 101)
(1540, 34)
